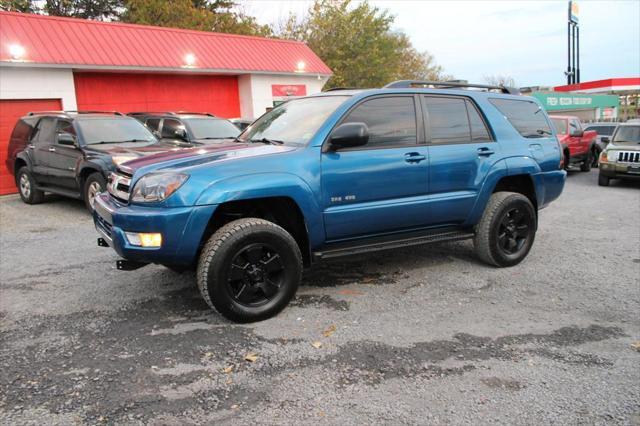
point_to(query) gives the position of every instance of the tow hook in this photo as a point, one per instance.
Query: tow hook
(129, 265)
(102, 242)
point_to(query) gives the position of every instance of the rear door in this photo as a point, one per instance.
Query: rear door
(64, 159)
(461, 151)
(41, 147)
(382, 186)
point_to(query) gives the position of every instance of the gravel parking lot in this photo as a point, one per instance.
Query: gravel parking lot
(422, 335)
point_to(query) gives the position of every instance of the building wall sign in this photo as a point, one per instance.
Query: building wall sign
(563, 101)
(288, 90)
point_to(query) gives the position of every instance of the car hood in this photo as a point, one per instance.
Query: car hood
(201, 156)
(134, 149)
(627, 146)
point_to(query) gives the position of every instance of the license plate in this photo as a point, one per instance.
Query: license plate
(634, 169)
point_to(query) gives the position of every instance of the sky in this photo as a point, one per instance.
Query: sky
(526, 40)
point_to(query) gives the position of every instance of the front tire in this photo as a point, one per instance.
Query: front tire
(249, 270)
(29, 193)
(506, 230)
(603, 180)
(94, 184)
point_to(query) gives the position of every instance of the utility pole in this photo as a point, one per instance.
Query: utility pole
(573, 44)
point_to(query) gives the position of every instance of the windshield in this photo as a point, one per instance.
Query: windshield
(113, 130)
(560, 124)
(294, 122)
(627, 134)
(211, 128)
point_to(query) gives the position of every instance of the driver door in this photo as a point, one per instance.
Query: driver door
(64, 159)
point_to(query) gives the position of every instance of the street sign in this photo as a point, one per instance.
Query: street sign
(574, 10)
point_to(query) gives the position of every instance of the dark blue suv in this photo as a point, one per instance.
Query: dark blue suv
(335, 174)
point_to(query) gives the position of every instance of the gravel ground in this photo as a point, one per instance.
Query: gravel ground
(424, 335)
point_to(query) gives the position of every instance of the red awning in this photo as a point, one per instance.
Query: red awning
(79, 43)
(603, 86)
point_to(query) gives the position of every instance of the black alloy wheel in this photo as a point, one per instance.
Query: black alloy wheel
(514, 230)
(255, 274)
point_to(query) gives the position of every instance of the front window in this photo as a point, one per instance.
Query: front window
(627, 134)
(211, 128)
(113, 130)
(294, 122)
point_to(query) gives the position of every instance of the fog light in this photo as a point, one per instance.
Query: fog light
(143, 239)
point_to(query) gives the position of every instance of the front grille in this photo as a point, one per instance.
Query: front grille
(105, 226)
(628, 157)
(119, 185)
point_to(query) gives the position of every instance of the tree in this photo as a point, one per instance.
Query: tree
(203, 15)
(500, 80)
(86, 9)
(25, 6)
(357, 43)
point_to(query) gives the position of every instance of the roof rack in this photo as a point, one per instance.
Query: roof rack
(169, 113)
(406, 84)
(340, 88)
(74, 112)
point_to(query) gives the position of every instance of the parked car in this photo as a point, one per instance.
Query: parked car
(241, 123)
(621, 157)
(335, 174)
(186, 129)
(578, 145)
(72, 153)
(603, 129)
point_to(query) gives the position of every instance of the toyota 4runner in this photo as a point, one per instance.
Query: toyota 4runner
(335, 174)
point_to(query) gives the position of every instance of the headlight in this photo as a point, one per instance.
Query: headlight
(157, 186)
(119, 159)
(612, 156)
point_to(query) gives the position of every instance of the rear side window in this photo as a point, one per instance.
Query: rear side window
(602, 130)
(391, 120)
(153, 124)
(479, 132)
(526, 117)
(448, 120)
(22, 131)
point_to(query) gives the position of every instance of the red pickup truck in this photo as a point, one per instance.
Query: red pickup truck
(578, 146)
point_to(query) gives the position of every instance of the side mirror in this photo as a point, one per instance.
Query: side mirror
(577, 133)
(349, 135)
(66, 139)
(605, 139)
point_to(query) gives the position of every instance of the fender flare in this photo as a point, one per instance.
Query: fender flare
(265, 185)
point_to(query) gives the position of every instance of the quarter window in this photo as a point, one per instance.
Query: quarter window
(526, 117)
(391, 120)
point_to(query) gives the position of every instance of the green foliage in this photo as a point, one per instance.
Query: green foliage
(358, 44)
(216, 15)
(86, 9)
(25, 6)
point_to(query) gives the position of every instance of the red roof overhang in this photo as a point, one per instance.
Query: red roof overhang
(607, 85)
(85, 44)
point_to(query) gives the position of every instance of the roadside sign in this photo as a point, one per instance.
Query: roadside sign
(574, 10)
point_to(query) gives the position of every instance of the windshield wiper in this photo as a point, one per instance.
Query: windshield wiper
(267, 141)
(214, 138)
(125, 141)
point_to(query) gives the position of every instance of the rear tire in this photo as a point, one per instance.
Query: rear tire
(506, 230)
(27, 187)
(94, 184)
(603, 180)
(249, 270)
(586, 164)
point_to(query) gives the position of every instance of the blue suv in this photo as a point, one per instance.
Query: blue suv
(335, 174)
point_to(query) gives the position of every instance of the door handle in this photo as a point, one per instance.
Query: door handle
(414, 157)
(52, 149)
(485, 152)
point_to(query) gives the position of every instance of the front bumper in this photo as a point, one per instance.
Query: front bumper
(620, 171)
(182, 229)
